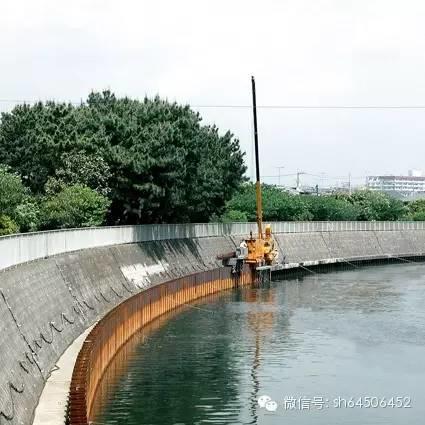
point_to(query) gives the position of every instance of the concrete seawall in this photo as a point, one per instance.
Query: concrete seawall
(47, 303)
(317, 246)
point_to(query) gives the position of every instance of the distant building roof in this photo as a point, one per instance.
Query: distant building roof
(416, 178)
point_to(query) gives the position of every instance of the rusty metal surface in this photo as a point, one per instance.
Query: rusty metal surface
(114, 330)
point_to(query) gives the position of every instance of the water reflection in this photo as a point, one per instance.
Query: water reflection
(343, 334)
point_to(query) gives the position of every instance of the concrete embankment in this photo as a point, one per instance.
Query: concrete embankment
(317, 246)
(47, 303)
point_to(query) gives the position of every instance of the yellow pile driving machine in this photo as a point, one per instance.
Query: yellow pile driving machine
(260, 252)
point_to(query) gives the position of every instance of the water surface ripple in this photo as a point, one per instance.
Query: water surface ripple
(310, 343)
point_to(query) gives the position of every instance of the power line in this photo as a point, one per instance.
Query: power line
(324, 176)
(352, 107)
(29, 102)
(240, 106)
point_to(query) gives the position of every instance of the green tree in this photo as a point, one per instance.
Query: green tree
(80, 168)
(277, 204)
(280, 205)
(232, 216)
(16, 204)
(12, 191)
(32, 139)
(374, 205)
(27, 215)
(7, 225)
(417, 216)
(164, 164)
(74, 206)
(416, 210)
(326, 208)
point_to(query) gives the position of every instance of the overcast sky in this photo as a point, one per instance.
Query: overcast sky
(302, 52)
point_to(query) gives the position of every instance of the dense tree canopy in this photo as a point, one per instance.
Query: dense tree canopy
(117, 160)
(372, 205)
(154, 159)
(279, 205)
(417, 210)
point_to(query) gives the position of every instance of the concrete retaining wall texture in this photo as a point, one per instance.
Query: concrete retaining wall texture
(46, 304)
(302, 247)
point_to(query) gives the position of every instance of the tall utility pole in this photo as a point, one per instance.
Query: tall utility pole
(279, 168)
(349, 183)
(298, 178)
(257, 164)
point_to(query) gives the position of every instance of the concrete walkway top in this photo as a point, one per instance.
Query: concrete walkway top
(51, 409)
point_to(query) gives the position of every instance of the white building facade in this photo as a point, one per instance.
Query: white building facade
(409, 185)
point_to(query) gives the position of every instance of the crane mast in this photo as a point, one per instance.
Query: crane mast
(259, 203)
(259, 252)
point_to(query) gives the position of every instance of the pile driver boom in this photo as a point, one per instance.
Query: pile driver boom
(259, 251)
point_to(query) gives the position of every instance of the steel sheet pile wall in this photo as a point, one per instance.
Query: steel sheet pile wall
(111, 333)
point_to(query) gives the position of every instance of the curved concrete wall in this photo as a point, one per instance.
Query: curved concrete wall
(350, 245)
(18, 249)
(45, 304)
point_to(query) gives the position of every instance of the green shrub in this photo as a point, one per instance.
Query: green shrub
(277, 205)
(7, 225)
(328, 208)
(416, 210)
(376, 206)
(74, 206)
(418, 216)
(27, 215)
(12, 191)
(234, 216)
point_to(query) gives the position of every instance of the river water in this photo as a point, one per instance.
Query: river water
(339, 348)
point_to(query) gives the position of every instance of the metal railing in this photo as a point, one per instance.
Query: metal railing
(21, 248)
